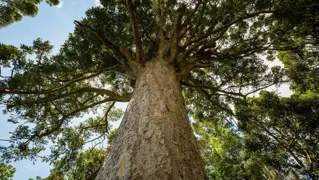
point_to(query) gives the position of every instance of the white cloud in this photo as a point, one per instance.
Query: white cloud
(97, 3)
(60, 5)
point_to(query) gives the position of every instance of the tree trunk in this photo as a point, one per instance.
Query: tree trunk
(155, 140)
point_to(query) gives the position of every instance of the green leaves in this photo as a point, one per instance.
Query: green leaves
(13, 11)
(7, 171)
(81, 165)
(283, 131)
(224, 152)
(48, 92)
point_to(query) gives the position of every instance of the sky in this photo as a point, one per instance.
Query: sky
(53, 24)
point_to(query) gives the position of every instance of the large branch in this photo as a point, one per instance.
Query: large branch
(188, 18)
(60, 122)
(120, 51)
(198, 84)
(160, 34)
(280, 143)
(107, 114)
(48, 91)
(188, 24)
(208, 98)
(82, 74)
(112, 95)
(216, 89)
(139, 48)
(176, 32)
(203, 59)
(213, 30)
(205, 43)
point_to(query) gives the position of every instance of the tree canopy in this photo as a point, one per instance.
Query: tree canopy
(284, 131)
(6, 171)
(218, 49)
(13, 10)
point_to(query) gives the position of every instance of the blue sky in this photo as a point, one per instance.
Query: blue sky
(53, 24)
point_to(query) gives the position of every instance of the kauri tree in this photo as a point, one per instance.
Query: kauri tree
(159, 56)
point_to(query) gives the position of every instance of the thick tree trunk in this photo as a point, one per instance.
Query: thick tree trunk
(155, 140)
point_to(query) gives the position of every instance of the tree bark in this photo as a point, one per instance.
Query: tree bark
(155, 140)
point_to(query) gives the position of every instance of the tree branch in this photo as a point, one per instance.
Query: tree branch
(160, 21)
(187, 19)
(108, 43)
(176, 32)
(263, 87)
(139, 48)
(67, 84)
(284, 145)
(208, 96)
(212, 29)
(214, 89)
(109, 93)
(188, 26)
(61, 122)
(108, 110)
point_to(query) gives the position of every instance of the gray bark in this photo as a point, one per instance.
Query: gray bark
(155, 140)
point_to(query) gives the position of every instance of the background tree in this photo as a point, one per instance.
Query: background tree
(146, 52)
(13, 10)
(285, 130)
(83, 167)
(6, 171)
(223, 151)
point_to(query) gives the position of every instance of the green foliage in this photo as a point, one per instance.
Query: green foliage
(217, 49)
(12, 11)
(302, 68)
(6, 171)
(54, 111)
(226, 155)
(84, 166)
(221, 149)
(284, 132)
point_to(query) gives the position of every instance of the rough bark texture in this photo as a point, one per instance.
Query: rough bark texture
(155, 140)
